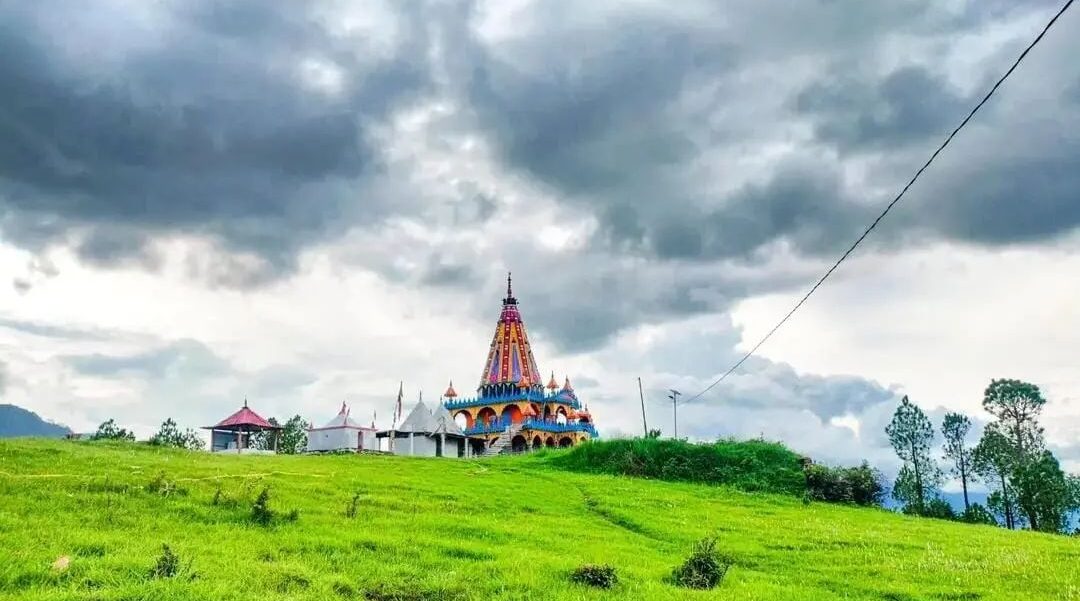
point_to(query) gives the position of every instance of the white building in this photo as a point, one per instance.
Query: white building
(342, 434)
(427, 434)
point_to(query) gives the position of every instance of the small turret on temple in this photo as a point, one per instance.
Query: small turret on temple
(513, 408)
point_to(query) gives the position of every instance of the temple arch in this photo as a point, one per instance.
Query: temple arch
(463, 419)
(537, 442)
(550, 442)
(487, 416)
(512, 414)
(518, 444)
(560, 415)
(566, 441)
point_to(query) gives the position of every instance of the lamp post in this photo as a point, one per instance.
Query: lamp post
(674, 396)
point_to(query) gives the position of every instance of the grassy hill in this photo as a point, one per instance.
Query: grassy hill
(507, 528)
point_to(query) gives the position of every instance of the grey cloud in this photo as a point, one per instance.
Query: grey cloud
(21, 285)
(57, 331)
(183, 358)
(3, 377)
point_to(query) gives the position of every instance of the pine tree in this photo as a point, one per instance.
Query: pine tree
(1017, 405)
(994, 459)
(955, 429)
(911, 434)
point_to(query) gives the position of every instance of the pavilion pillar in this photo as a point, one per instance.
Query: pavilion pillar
(238, 442)
(277, 435)
(442, 442)
(412, 443)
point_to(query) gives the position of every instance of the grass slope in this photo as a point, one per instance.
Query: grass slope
(508, 528)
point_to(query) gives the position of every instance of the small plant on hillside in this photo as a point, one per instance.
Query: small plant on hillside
(168, 564)
(595, 575)
(350, 509)
(161, 485)
(705, 568)
(261, 513)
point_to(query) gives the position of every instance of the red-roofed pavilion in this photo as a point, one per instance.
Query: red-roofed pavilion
(234, 432)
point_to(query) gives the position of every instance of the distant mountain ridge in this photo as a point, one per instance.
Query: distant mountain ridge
(16, 421)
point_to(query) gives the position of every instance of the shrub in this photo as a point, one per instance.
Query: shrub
(704, 569)
(161, 485)
(860, 485)
(168, 564)
(754, 465)
(977, 514)
(934, 508)
(595, 575)
(108, 430)
(261, 513)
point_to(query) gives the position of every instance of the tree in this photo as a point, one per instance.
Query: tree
(1045, 493)
(294, 436)
(108, 430)
(955, 429)
(911, 434)
(264, 439)
(1017, 405)
(993, 459)
(169, 435)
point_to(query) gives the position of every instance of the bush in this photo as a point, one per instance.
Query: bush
(977, 514)
(108, 430)
(861, 485)
(934, 508)
(704, 569)
(754, 465)
(261, 513)
(168, 564)
(595, 575)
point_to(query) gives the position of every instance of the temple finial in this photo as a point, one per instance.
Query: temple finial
(245, 401)
(509, 290)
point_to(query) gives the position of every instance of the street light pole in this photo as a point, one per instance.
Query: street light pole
(674, 396)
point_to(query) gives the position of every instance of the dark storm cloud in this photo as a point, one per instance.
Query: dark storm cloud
(614, 119)
(210, 132)
(906, 105)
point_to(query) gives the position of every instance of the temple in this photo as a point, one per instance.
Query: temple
(513, 409)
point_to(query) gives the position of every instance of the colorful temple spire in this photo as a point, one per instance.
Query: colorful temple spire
(450, 392)
(510, 359)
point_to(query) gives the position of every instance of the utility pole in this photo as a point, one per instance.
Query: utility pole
(641, 394)
(674, 396)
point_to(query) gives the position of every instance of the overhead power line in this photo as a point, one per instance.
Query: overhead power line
(889, 207)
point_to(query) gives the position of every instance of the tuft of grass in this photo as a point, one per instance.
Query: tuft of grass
(595, 575)
(354, 503)
(261, 513)
(704, 569)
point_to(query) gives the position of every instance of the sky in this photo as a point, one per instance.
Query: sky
(307, 203)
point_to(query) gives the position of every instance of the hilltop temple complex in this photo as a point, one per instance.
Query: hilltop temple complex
(513, 409)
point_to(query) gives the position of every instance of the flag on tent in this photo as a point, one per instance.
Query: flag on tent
(397, 408)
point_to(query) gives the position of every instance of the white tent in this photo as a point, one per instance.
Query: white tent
(427, 434)
(341, 433)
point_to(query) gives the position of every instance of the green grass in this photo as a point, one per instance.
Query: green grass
(752, 465)
(508, 528)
